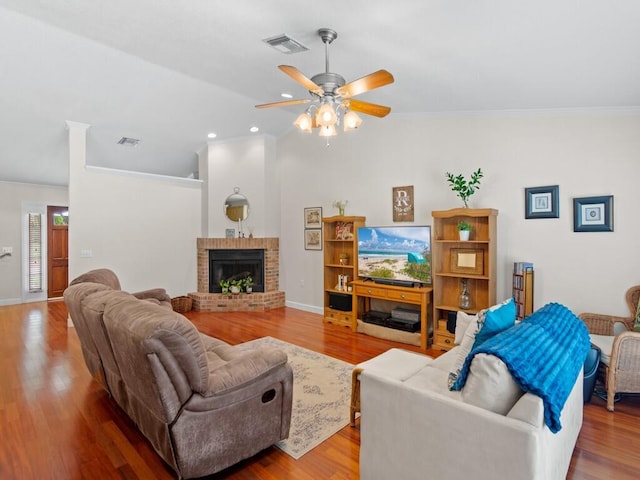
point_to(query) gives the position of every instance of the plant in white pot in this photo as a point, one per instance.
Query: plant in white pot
(236, 286)
(464, 230)
(248, 284)
(465, 188)
(224, 287)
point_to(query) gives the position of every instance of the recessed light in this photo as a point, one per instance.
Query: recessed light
(254, 129)
(212, 135)
(286, 95)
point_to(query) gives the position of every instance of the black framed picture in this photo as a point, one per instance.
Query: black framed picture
(593, 214)
(541, 202)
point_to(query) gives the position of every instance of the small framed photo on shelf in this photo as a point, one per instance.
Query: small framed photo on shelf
(593, 214)
(541, 202)
(230, 232)
(467, 260)
(313, 217)
(313, 239)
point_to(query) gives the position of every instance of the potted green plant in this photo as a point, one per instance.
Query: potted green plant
(464, 230)
(236, 286)
(248, 284)
(224, 286)
(465, 188)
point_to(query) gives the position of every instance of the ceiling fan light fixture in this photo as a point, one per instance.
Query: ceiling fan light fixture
(328, 131)
(326, 115)
(333, 103)
(303, 122)
(351, 121)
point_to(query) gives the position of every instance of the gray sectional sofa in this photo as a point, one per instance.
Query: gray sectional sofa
(202, 404)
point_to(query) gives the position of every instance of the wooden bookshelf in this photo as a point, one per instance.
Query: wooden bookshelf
(448, 272)
(340, 244)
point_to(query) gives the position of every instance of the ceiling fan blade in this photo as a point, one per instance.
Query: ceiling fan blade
(285, 103)
(369, 108)
(369, 82)
(299, 77)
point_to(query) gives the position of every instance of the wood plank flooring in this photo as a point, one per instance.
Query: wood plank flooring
(56, 423)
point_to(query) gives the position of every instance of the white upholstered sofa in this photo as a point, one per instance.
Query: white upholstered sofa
(414, 427)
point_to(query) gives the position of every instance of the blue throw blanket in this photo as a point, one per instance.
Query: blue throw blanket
(544, 353)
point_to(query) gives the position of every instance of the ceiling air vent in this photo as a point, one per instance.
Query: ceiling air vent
(285, 44)
(128, 142)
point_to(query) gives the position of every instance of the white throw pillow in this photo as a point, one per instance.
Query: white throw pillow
(490, 385)
(463, 319)
(466, 344)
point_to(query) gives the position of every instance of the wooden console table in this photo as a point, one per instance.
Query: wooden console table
(412, 295)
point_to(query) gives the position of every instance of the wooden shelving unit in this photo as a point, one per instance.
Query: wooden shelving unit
(454, 260)
(340, 244)
(523, 289)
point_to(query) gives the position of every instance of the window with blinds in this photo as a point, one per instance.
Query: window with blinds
(35, 252)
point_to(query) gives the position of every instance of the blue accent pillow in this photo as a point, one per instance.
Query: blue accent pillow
(495, 321)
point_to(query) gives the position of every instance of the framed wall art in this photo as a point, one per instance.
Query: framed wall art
(541, 202)
(229, 232)
(593, 214)
(313, 217)
(467, 260)
(313, 239)
(403, 204)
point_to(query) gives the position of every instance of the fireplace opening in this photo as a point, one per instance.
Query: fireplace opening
(236, 264)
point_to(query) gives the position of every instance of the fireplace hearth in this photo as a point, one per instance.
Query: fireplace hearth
(208, 298)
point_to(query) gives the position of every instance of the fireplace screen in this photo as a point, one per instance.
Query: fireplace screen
(234, 265)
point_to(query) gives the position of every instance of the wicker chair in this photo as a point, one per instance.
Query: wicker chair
(620, 348)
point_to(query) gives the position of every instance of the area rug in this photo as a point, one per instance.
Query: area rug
(321, 395)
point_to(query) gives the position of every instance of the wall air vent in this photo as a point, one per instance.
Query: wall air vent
(285, 44)
(128, 142)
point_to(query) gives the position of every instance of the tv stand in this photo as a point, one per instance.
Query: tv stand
(364, 291)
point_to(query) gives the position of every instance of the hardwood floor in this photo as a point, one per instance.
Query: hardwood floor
(56, 423)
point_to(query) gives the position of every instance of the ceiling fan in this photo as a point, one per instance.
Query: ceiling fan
(332, 101)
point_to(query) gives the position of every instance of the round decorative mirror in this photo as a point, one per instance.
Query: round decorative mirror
(236, 206)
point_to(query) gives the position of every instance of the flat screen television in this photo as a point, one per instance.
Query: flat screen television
(395, 255)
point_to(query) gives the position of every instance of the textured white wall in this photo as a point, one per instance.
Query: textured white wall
(132, 221)
(144, 227)
(585, 153)
(249, 165)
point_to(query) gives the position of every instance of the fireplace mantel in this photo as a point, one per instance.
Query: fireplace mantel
(271, 298)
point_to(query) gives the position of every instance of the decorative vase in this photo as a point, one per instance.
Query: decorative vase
(249, 289)
(464, 235)
(464, 300)
(235, 289)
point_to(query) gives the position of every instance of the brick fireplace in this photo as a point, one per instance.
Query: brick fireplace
(205, 301)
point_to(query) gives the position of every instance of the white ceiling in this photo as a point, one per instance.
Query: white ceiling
(169, 72)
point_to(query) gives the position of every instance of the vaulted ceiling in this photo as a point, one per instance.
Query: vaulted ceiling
(169, 73)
